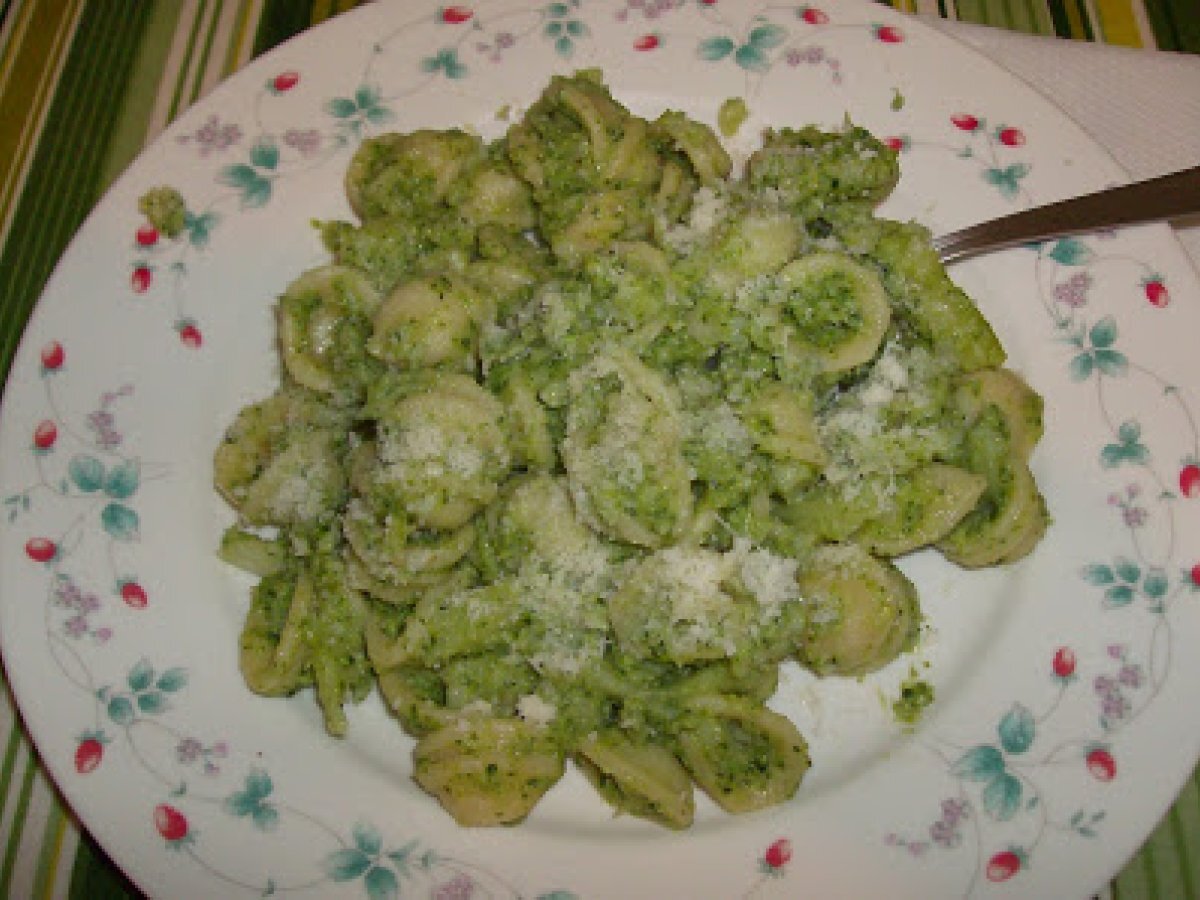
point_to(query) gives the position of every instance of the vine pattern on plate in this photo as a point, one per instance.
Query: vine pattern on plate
(84, 465)
(1006, 780)
(989, 147)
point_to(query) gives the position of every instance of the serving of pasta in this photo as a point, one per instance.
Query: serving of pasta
(581, 435)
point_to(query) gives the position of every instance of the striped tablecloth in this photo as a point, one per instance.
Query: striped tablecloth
(85, 84)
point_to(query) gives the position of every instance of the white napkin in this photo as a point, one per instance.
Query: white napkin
(1143, 106)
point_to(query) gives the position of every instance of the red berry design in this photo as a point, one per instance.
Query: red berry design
(170, 822)
(813, 16)
(1011, 137)
(45, 435)
(285, 81)
(646, 42)
(1003, 866)
(889, 34)
(190, 335)
(1195, 575)
(1102, 765)
(456, 15)
(1156, 292)
(140, 279)
(1189, 480)
(88, 755)
(778, 854)
(147, 235)
(41, 549)
(134, 594)
(1064, 662)
(896, 143)
(53, 356)
(965, 121)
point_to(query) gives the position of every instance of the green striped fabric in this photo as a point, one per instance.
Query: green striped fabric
(85, 84)
(1161, 24)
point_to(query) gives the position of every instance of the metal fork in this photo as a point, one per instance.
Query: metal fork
(1165, 197)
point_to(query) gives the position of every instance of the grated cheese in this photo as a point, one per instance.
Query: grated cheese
(536, 711)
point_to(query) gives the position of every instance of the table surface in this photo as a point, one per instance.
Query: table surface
(141, 64)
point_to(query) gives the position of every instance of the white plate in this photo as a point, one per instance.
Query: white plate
(1064, 722)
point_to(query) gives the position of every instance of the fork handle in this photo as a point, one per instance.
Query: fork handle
(1164, 197)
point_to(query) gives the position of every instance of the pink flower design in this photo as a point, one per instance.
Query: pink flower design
(307, 141)
(1073, 292)
(460, 887)
(213, 135)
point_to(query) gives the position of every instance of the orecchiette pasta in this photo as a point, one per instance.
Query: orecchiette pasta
(581, 436)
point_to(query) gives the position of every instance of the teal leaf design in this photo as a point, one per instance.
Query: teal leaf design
(564, 46)
(713, 49)
(1008, 179)
(120, 710)
(558, 9)
(1080, 368)
(367, 95)
(557, 895)
(151, 702)
(346, 864)
(199, 228)
(1017, 729)
(122, 480)
(341, 107)
(553, 29)
(381, 115)
(86, 472)
(1098, 574)
(238, 176)
(265, 154)
(171, 680)
(1128, 449)
(1156, 584)
(454, 68)
(751, 59)
(257, 195)
(1002, 797)
(1070, 252)
(764, 37)
(141, 676)
(255, 189)
(401, 857)
(367, 839)
(981, 763)
(259, 784)
(577, 29)
(265, 817)
(1118, 596)
(1111, 363)
(250, 801)
(445, 61)
(381, 884)
(1104, 333)
(1111, 456)
(1085, 824)
(119, 521)
(1127, 570)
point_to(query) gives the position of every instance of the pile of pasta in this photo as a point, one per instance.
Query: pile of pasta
(581, 435)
